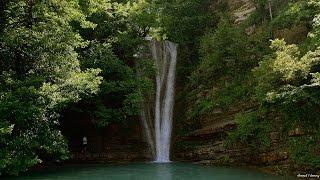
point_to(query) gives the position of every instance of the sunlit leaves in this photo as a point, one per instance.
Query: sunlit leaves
(287, 60)
(40, 75)
(72, 88)
(292, 72)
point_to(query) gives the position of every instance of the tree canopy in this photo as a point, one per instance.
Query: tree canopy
(91, 56)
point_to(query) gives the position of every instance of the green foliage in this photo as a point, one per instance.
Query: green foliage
(288, 82)
(315, 34)
(249, 129)
(261, 14)
(121, 92)
(40, 48)
(297, 12)
(185, 20)
(294, 88)
(40, 75)
(289, 76)
(237, 66)
(114, 47)
(304, 151)
(85, 55)
(224, 73)
(34, 127)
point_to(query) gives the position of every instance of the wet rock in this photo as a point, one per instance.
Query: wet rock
(274, 157)
(296, 132)
(214, 129)
(274, 139)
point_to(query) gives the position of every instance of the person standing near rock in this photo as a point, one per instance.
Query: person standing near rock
(84, 144)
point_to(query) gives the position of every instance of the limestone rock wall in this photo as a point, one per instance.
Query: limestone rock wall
(207, 145)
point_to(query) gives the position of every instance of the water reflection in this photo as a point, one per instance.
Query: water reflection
(147, 171)
(164, 171)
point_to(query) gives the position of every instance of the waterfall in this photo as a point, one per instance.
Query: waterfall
(165, 55)
(145, 117)
(159, 135)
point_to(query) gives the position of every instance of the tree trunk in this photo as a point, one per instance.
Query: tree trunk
(30, 13)
(270, 9)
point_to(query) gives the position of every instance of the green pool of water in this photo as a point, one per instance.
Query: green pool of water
(146, 171)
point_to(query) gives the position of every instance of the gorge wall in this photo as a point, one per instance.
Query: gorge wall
(208, 144)
(206, 140)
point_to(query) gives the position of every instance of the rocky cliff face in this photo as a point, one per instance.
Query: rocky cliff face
(207, 142)
(208, 145)
(241, 9)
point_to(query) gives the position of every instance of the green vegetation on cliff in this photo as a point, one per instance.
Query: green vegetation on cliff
(83, 56)
(238, 65)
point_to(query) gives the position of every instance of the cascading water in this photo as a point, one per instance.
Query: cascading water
(159, 134)
(165, 55)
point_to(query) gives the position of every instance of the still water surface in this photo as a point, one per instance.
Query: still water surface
(147, 171)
